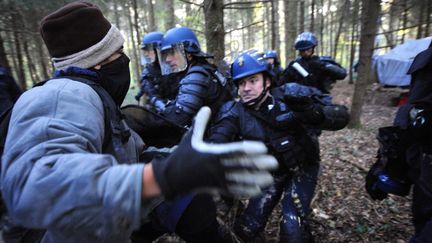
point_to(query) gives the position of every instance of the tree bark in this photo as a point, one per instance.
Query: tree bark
(290, 27)
(354, 35)
(344, 10)
(404, 18)
(312, 17)
(18, 51)
(135, 57)
(275, 26)
(428, 14)
(151, 16)
(302, 16)
(420, 22)
(136, 21)
(3, 58)
(370, 13)
(214, 28)
(116, 14)
(170, 18)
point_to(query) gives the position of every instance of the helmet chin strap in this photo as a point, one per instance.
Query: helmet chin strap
(258, 99)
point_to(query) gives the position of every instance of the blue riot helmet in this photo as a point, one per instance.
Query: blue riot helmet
(249, 64)
(271, 54)
(175, 44)
(305, 40)
(151, 41)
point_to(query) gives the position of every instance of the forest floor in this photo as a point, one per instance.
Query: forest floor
(342, 210)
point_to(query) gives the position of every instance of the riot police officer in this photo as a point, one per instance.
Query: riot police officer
(193, 217)
(405, 153)
(272, 58)
(158, 89)
(280, 118)
(200, 82)
(312, 70)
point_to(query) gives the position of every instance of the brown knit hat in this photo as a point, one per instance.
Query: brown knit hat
(79, 35)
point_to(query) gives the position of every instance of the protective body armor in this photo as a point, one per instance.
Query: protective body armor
(202, 85)
(323, 71)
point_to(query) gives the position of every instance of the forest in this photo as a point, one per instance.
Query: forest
(350, 31)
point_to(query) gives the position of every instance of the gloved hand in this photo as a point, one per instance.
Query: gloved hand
(298, 103)
(238, 168)
(371, 182)
(305, 109)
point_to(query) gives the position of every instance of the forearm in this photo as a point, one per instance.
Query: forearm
(150, 188)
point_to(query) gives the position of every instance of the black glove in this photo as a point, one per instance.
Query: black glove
(305, 109)
(316, 64)
(298, 103)
(372, 179)
(239, 169)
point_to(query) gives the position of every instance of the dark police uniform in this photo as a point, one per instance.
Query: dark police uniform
(159, 89)
(296, 149)
(323, 71)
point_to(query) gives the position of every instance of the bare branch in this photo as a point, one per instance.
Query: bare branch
(244, 27)
(189, 2)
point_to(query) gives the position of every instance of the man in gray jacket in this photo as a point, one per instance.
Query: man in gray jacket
(69, 169)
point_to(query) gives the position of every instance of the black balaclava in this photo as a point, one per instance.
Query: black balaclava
(115, 78)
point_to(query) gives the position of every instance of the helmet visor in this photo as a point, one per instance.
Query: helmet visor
(148, 54)
(172, 59)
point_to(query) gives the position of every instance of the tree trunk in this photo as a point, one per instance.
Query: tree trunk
(116, 15)
(353, 38)
(404, 18)
(3, 58)
(19, 56)
(214, 28)
(302, 16)
(312, 17)
(275, 26)
(290, 8)
(170, 18)
(151, 16)
(428, 14)
(30, 64)
(321, 30)
(370, 13)
(344, 10)
(420, 22)
(135, 59)
(188, 14)
(136, 22)
(42, 58)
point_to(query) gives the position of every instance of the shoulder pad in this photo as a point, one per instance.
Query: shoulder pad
(296, 89)
(228, 109)
(421, 60)
(326, 58)
(198, 69)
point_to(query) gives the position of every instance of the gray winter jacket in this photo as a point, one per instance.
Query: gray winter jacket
(54, 175)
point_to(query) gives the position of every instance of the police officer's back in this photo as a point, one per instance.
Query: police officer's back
(312, 70)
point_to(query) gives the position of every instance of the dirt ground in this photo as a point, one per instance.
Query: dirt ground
(342, 211)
